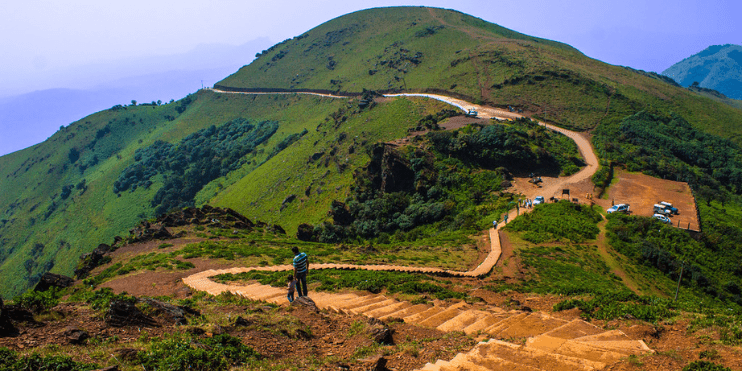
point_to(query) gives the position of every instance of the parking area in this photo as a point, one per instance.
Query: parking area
(642, 192)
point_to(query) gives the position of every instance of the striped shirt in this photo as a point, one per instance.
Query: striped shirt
(300, 263)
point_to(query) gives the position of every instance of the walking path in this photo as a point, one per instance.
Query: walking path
(552, 343)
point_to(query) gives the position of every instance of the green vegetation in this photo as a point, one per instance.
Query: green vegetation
(557, 222)
(451, 186)
(180, 352)
(608, 306)
(10, 361)
(669, 147)
(705, 366)
(36, 301)
(197, 160)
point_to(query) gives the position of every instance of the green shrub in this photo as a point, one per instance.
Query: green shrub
(554, 222)
(10, 361)
(705, 366)
(38, 302)
(181, 353)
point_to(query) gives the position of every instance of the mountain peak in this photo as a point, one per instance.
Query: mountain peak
(717, 67)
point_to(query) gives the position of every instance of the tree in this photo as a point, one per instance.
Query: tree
(133, 102)
(159, 102)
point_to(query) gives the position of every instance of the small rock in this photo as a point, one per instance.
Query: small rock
(242, 322)
(127, 354)
(382, 335)
(305, 301)
(75, 335)
(375, 363)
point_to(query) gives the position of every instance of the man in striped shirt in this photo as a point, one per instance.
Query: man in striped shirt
(301, 267)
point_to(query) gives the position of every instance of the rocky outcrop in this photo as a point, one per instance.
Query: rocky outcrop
(124, 313)
(49, 280)
(91, 260)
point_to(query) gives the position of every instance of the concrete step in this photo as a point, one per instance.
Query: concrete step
(485, 322)
(372, 306)
(611, 335)
(362, 303)
(418, 317)
(496, 363)
(463, 362)
(406, 311)
(380, 312)
(574, 329)
(536, 358)
(588, 351)
(531, 324)
(445, 315)
(461, 321)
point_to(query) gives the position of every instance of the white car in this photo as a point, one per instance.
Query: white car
(538, 200)
(662, 218)
(621, 208)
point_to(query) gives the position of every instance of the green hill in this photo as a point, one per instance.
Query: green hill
(285, 158)
(718, 67)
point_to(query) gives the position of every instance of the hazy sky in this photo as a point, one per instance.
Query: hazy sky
(43, 39)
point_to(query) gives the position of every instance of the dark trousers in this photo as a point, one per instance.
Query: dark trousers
(290, 296)
(301, 284)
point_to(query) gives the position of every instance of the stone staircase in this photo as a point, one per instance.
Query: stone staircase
(542, 342)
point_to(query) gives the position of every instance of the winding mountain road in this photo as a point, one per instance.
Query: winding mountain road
(552, 344)
(493, 256)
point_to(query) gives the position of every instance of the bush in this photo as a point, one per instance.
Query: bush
(705, 366)
(10, 360)
(38, 302)
(180, 353)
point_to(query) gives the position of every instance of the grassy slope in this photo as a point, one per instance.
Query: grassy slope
(473, 58)
(86, 218)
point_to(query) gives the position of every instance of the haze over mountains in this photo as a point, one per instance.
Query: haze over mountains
(717, 67)
(30, 118)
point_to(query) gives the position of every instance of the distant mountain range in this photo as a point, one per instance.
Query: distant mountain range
(31, 118)
(718, 67)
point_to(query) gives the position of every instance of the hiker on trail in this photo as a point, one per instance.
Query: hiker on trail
(301, 268)
(292, 286)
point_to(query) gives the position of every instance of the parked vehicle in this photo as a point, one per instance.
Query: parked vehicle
(662, 218)
(538, 200)
(621, 208)
(471, 113)
(668, 206)
(661, 209)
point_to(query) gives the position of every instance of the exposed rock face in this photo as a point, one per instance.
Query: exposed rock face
(122, 313)
(90, 261)
(49, 280)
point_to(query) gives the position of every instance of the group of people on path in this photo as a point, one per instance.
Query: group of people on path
(527, 203)
(297, 281)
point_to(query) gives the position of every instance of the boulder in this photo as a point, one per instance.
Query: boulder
(49, 280)
(169, 312)
(305, 232)
(305, 301)
(123, 313)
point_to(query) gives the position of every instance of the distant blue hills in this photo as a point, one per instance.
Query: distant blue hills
(718, 67)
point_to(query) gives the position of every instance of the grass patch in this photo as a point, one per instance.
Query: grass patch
(561, 221)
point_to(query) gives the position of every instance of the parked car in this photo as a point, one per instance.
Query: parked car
(621, 208)
(668, 206)
(661, 209)
(662, 218)
(538, 200)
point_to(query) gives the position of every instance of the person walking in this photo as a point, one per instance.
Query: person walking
(301, 268)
